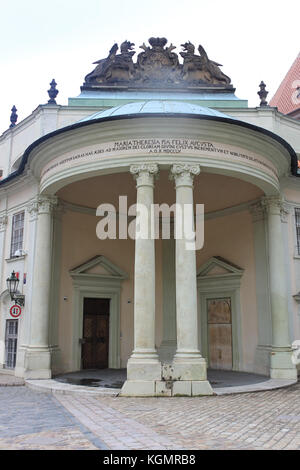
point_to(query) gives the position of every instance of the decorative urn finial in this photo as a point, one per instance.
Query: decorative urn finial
(13, 116)
(262, 93)
(53, 92)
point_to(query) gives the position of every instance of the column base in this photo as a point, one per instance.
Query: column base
(143, 367)
(185, 377)
(186, 368)
(138, 388)
(161, 388)
(281, 366)
(36, 363)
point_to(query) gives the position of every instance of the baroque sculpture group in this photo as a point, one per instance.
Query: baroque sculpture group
(157, 64)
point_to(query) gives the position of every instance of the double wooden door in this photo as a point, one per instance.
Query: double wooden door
(95, 342)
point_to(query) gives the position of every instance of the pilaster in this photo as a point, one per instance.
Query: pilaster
(281, 365)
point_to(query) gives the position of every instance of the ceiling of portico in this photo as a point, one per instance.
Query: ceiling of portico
(217, 192)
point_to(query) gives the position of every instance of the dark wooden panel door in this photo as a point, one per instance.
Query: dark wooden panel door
(95, 333)
(219, 333)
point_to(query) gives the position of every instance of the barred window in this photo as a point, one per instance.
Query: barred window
(17, 233)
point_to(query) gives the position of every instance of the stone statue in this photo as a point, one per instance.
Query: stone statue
(116, 67)
(193, 70)
(200, 67)
(157, 66)
(217, 76)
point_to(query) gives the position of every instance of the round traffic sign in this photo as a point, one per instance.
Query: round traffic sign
(15, 311)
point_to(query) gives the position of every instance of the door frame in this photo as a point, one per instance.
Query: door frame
(213, 286)
(100, 286)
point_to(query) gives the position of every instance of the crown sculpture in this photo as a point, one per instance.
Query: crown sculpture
(157, 67)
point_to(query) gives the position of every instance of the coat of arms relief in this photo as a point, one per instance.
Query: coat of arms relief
(157, 66)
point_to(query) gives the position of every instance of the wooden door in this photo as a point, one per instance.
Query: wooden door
(95, 342)
(219, 321)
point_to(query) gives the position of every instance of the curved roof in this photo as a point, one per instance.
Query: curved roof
(156, 107)
(146, 109)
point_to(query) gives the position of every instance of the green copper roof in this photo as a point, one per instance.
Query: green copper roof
(156, 107)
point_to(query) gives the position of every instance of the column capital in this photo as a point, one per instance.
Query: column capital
(144, 173)
(183, 173)
(42, 205)
(3, 222)
(275, 205)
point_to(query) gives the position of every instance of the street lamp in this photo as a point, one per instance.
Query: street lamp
(12, 286)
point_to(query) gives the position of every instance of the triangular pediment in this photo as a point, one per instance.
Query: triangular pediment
(99, 266)
(217, 267)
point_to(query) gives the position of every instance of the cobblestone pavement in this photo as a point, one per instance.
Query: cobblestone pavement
(35, 420)
(261, 420)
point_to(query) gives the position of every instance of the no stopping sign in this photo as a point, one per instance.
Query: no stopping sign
(15, 311)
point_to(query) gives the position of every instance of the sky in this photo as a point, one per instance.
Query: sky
(39, 41)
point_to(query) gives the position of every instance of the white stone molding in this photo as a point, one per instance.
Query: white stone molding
(3, 222)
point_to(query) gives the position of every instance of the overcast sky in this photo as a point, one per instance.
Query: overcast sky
(60, 39)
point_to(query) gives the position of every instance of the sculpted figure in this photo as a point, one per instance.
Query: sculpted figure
(199, 67)
(102, 68)
(157, 66)
(116, 67)
(217, 76)
(193, 70)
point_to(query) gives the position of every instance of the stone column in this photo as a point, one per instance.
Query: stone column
(38, 353)
(189, 367)
(280, 365)
(144, 367)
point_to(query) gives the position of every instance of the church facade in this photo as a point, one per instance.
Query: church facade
(169, 132)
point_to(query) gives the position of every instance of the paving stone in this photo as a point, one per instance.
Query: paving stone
(245, 421)
(261, 420)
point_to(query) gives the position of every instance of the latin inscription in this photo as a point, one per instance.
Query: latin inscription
(155, 147)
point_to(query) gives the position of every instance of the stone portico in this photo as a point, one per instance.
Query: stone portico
(165, 312)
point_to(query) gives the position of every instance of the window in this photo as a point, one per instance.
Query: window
(11, 338)
(17, 233)
(297, 218)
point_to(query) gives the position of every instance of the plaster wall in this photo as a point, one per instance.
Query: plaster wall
(230, 237)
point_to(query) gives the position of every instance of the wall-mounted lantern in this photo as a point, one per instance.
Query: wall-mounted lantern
(12, 286)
